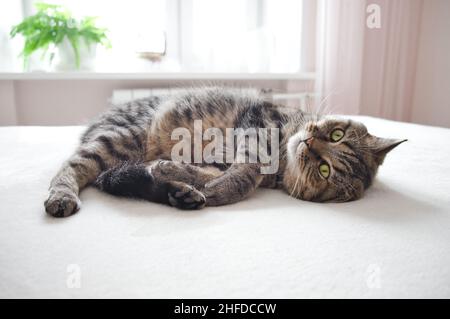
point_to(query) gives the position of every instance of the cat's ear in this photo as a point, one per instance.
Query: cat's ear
(381, 146)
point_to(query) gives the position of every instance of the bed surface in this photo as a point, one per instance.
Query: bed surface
(395, 242)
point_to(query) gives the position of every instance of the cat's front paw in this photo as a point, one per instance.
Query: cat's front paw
(61, 203)
(184, 196)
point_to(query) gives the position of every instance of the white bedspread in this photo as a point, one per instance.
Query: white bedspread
(395, 242)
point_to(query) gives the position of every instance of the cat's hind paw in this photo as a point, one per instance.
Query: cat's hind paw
(185, 196)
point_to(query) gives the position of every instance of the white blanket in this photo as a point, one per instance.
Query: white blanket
(395, 242)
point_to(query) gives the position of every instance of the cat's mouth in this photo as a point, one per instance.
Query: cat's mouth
(295, 141)
(303, 145)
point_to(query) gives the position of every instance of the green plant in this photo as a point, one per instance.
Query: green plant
(51, 24)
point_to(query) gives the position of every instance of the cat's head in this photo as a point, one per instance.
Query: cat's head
(333, 160)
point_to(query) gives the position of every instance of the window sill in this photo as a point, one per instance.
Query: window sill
(17, 76)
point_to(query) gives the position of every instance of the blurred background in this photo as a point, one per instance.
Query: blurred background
(61, 66)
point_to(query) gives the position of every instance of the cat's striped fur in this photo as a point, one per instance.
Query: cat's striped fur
(126, 152)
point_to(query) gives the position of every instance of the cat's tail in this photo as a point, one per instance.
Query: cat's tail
(130, 179)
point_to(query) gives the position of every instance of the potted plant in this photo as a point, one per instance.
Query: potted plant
(53, 26)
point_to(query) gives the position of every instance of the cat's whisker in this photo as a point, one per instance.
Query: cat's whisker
(324, 100)
(295, 186)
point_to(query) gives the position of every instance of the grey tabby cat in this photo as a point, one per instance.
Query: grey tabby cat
(127, 152)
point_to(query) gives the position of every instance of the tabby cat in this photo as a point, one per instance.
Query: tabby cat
(127, 152)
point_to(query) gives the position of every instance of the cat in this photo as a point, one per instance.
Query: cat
(127, 152)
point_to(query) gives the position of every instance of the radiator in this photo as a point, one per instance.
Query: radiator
(123, 96)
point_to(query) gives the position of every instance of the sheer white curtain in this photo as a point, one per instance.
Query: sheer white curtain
(362, 70)
(10, 14)
(340, 44)
(241, 35)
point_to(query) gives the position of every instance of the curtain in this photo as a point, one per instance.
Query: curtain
(367, 69)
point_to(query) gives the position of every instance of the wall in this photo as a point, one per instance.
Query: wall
(8, 115)
(431, 101)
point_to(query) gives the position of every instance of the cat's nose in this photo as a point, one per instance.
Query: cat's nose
(309, 141)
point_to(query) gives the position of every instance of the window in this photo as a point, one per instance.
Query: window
(196, 35)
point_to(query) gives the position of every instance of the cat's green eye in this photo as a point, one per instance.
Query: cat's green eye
(324, 170)
(337, 135)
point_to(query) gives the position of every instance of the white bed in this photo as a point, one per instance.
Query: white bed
(395, 242)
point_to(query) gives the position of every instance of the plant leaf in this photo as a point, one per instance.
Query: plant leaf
(51, 24)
